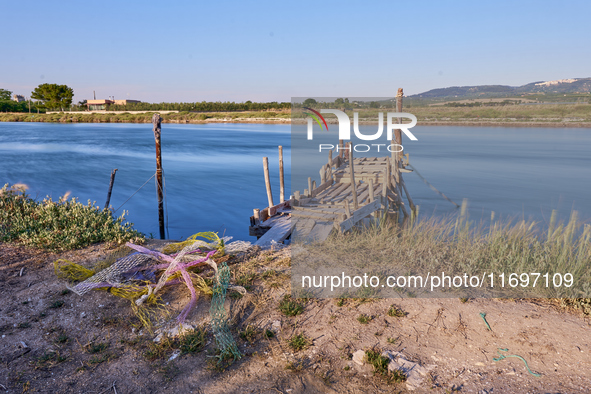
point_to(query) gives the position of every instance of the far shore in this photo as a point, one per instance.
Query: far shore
(425, 118)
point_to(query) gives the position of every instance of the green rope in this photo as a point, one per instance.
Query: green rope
(537, 375)
(483, 315)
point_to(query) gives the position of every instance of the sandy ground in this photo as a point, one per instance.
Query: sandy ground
(47, 338)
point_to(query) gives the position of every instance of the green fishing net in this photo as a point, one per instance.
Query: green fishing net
(219, 320)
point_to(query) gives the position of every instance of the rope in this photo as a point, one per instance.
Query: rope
(432, 187)
(502, 357)
(153, 175)
(483, 315)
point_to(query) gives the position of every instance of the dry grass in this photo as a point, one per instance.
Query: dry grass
(458, 246)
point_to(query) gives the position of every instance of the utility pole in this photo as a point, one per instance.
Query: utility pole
(156, 121)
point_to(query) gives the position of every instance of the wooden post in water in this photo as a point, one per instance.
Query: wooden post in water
(281, 178)
(353, 183)
(396, 156)
(156, 122)
(110, 188)
(268, 183)
(257, 216)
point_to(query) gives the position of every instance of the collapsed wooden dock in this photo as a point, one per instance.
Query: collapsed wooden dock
(355, 191)
(352, 192)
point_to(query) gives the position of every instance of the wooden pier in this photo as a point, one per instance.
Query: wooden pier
(352, 192)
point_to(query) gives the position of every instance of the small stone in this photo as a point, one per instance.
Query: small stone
(359, 357)
(414, 372)
(175, 355)
(276, 326)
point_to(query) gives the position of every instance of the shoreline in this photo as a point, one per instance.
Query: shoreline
(146, 119)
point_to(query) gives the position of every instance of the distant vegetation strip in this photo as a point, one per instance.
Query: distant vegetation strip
(180, 117)
(547, 114)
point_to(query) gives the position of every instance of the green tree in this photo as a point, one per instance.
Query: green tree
(5, 94)
(53, 96)
(309, 102)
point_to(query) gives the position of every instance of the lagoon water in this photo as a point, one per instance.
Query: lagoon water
(214, 172)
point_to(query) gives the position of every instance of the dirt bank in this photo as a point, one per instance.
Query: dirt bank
(52, 340)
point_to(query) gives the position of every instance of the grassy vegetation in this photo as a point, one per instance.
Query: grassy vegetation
(299, 342)
(190, 342)
(380, 366)
(289, 307)
(394, 311)
(58, 225)
(180, 117)
(458, 246)
(452, 113)
(552, 113)
(537, 113)
(364, 319)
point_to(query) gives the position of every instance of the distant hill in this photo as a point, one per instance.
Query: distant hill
(575, 85)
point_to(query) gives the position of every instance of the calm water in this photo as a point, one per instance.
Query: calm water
(214, 173)
(515, 172)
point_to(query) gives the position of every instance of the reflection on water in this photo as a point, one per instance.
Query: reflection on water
(213, 173)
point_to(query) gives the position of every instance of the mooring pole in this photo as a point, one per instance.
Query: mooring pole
(110, 188)
(399, 96)
(156, 121)
(281, 177)
(268, 183)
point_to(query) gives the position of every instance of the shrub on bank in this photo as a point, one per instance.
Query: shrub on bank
(59, 225)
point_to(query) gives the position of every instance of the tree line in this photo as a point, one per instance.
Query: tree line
(204, 106)
(59, 97)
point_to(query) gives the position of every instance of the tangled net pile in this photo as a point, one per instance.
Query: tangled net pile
(134, 276)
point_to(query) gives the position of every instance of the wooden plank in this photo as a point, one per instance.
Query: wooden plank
(275, 208)
(317, 216)
(320, 232)
(363, 194)
(270, 222)
(278, 233)
(264, 213)
(316, 208)
(341, 188)
(301, 228)
(360, 214)
(322, 194)
(322, 187)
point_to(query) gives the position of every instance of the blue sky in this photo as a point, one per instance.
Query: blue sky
(272, 51)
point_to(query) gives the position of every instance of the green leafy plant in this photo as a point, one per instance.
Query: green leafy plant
(299, 342)
(364, 319)
(394, 311)
(59, 225)
(193, 341)
(290, 307)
